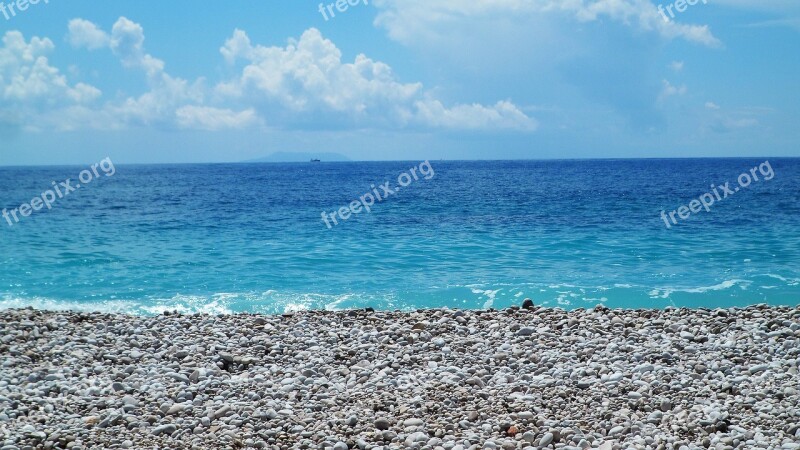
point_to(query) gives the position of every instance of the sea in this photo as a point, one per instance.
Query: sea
(251, 238)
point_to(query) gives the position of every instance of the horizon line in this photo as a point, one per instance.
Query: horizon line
(208, 163)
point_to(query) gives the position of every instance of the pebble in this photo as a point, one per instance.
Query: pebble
(164, 429)
(522, 378)
(382, 424)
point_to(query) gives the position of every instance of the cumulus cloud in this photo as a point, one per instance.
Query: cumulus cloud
(127, 42)
(170, 101)
(85, 34)
(25, 72)
(309, 76)
(31, 86)
(305, 83)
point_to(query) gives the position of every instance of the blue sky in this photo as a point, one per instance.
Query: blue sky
(196, 81)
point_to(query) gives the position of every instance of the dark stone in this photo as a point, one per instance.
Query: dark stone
(527, 303)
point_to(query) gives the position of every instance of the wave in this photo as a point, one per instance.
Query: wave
(727, 293)
(223, 303)
(667, 292)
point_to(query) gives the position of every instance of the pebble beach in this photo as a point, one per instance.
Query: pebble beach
(518, 378)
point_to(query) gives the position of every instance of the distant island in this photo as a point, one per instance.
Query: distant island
(283, 157)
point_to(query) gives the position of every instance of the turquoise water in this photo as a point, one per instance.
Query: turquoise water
(250, 237)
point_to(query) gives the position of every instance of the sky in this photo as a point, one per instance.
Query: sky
(199, 81)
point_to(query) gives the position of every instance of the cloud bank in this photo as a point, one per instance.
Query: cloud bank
(303, 83)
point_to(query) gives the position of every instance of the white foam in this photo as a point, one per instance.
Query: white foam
(222, 303)
(727, 284)
(789, 281)
(491, 295)
(109, 306)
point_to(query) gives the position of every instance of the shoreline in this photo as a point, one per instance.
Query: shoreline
(440, 379)
(181, 311)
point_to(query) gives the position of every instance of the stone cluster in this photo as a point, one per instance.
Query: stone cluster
(521, 378)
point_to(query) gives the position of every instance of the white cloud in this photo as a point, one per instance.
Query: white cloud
(24, 70)
(84, 93)
(29, 81)
(36, 95)
(305, 83)
(127, 42)
(85, 34)
(410, 21)
(676, 66)
(213, 119)
(668, 90)
(159, 104)
(725, 120)
(308, 77)
(502, 115)
(563, 51)
(238, 46)
(170, 101)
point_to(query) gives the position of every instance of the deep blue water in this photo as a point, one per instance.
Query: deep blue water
(250, 237)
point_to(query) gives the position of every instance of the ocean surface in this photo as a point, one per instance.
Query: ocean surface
(250, 237)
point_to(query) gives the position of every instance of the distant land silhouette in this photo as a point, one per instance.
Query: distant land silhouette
(300, 157)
